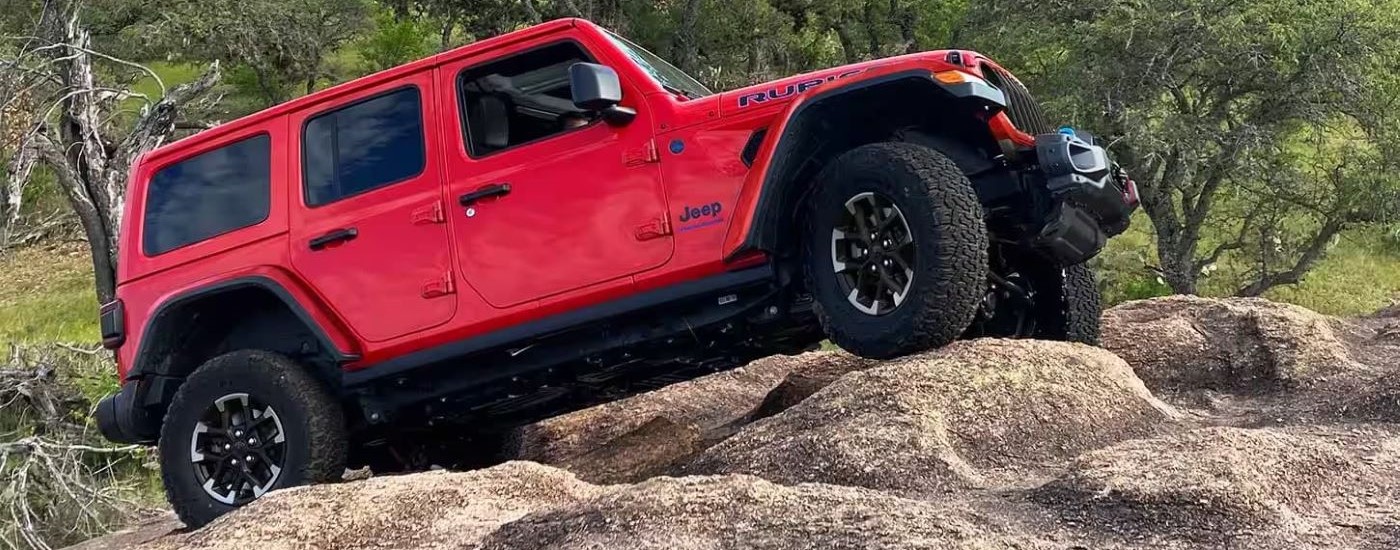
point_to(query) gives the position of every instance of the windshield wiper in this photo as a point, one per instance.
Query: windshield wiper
(675, 90)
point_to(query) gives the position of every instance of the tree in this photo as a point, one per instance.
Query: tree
(75, 123)
(1213, 108)
(277, 49)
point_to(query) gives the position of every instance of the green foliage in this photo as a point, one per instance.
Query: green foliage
(277, 49)
(1254, 129)
(1360, 275)
(1123, 269)
(394, 41)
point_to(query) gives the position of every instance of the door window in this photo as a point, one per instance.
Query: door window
(521, 99)
(364, 146)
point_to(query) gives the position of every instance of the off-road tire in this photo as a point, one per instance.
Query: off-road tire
(1064, 305)
(945, 218)
(313, 421)
(1073, 314)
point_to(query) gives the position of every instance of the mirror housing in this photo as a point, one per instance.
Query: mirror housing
(596, 88)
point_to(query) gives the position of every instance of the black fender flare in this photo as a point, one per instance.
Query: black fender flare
(140, 364)
(775, 192)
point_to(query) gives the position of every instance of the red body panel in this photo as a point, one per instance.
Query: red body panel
(574, 231)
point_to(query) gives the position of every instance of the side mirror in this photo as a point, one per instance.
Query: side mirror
(596, 88)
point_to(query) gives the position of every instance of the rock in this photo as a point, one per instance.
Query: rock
(1220, 480)
(1377, 399)
(977, 413)
(651, 449)
(714, 406)
(816, 372)
(144, 531)
(1235, 344)
(432, 510)
(743, 512)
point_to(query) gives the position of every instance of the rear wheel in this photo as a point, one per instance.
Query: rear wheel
(896, 250)
(1036, 299)
(243, 424)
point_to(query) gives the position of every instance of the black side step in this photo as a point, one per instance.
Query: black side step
(557, 323)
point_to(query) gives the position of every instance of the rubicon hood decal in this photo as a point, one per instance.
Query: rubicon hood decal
(780, 91)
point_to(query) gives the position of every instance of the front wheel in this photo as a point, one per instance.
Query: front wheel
(243, 424)
(896, 250)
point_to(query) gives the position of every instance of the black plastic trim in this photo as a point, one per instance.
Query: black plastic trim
(564, 321)
(977, 90)
(139, 367)
(112, 323)
(750, 152)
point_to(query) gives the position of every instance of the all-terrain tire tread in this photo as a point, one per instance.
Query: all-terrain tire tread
(1082, 305)
(325, 420)
(950, 302)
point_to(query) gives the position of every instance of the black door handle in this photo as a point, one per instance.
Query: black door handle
(493, 190)
(336, 236)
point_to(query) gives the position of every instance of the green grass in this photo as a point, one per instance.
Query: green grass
(46, 295)
(172, 74)
(1360, 275)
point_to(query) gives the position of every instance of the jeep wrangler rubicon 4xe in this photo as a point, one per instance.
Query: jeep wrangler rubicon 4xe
(398, 271)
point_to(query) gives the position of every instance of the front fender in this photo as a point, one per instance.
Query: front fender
(766, 201)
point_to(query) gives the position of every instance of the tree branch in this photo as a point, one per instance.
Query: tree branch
(1317, 248)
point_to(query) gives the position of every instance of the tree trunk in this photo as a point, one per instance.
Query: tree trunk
(445, 40)
(90, 163)
(1317, 248)
(684, 44)
(903, 19)
(12, 192)
(532, 13)
(848, 42)
(872, 31)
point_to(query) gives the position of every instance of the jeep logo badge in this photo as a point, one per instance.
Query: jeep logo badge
(695, 217)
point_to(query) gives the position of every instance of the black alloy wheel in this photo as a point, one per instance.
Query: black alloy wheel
(873, 254)
(238, 449)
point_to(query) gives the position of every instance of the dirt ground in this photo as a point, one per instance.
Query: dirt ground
(1240, 424)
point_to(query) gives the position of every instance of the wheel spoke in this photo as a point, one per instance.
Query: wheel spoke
(246, 472)
(220, 474)
(863, 229)
(889, 284)
(888, 222)
(903, 264)
(874, 276)
(221, 460)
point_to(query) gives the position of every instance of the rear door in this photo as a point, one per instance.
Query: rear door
(368, 224)
(556, 200)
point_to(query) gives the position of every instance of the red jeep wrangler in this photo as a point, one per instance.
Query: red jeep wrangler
(401, 269)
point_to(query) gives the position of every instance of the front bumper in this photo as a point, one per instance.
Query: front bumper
(1091, 198)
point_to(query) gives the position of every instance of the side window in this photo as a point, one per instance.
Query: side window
(207, 195)
(363, 146)
(520, 99)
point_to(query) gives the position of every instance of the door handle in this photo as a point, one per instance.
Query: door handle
(339, 235)
(493, 190)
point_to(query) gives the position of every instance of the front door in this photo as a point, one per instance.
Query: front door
(546, 199)
(369, 228)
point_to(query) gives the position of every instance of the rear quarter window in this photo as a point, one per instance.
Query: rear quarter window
(216, 192)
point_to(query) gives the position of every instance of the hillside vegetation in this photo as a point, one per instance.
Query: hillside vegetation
(1264, 134)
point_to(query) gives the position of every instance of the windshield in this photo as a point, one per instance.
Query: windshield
(671, 78)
